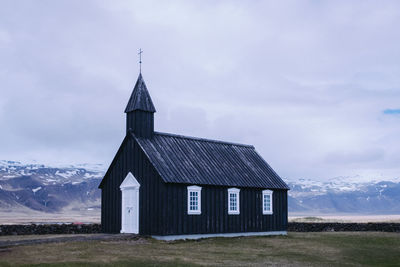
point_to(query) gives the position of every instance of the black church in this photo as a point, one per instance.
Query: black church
(172, 186)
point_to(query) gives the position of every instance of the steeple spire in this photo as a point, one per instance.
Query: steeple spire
(140, 110)
(140, 98)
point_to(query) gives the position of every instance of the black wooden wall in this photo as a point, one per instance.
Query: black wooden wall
(140, 122)
(130, 158)
(214, 217)
(163, 207)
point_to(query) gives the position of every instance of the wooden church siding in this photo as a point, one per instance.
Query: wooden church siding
(214, 217)
(141, 121)
(132, 159)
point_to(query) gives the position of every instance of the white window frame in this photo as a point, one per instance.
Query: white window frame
(267, 193)
(194, 188)
(235, 191)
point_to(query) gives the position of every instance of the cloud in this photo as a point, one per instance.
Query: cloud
(4, 37)
(308, 83)
(354, 157)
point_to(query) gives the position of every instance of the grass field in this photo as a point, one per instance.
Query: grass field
(297, 249)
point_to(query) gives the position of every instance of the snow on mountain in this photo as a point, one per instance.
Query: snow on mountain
(50, 174)
(36, 189)
(48, 188)
(52, 188)
(345, 195)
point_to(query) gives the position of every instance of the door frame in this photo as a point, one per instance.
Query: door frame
(130, 184)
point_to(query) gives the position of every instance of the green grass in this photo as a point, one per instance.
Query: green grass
(300, 249)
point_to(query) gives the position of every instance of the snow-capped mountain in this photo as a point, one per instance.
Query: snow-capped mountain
(49, 189)
(52, 189)
(49, 175)
(345, 195)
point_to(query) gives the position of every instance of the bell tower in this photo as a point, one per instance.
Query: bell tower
(140, 111)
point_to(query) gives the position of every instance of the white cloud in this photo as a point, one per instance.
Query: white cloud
(305, 82)
(5, 37)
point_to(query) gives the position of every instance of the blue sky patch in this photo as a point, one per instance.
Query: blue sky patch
(391, 111)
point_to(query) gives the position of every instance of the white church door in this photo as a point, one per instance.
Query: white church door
(130, 205)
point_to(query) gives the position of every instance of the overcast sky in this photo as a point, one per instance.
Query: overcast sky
(313, 85)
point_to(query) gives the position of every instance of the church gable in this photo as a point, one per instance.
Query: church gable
(129, 158)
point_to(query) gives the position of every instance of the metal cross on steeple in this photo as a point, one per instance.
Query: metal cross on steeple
(140, 60)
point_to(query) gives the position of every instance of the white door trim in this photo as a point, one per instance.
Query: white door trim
(130, 205)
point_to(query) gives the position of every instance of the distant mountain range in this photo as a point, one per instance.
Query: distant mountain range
(49, 189)
(54, 189)
(344, 195)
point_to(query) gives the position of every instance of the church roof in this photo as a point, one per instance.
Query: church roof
(140, 98)
(189, 160)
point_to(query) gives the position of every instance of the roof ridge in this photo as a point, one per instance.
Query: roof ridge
(204, 139)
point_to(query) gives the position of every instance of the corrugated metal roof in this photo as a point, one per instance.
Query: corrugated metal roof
(189, 160)
(140, 98)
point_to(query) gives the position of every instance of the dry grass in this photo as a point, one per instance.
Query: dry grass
(28, 216)
(32, 237)
(297, 249)
(345, 218)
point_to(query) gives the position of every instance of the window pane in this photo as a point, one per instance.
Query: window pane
(233, 202)
(267, 202)
(193, 201)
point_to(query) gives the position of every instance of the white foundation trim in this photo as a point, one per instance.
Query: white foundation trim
(198, 236)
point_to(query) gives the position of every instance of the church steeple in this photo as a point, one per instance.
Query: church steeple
(140, 110)
(140, 98)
